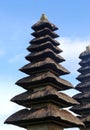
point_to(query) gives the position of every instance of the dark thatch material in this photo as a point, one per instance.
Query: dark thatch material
(42, 66)
(43, 32)
(85, 54)
(82, 96)
(85, 120)
(43, 39)
(81, 108)
(83, 86)
(49, 113)
(84, 69)
(46, 95)
(85, 62)
(84, 77)
(41, 47)
(34, 57)
(43, 79)
(43, 24)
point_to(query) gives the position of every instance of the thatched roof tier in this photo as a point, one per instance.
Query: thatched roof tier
(85, 86)
(41, 47)
(85, 54)
(44, 32)
(46, 95)
(34, 57)
(84, 77)
(42, 66)
(85, 62)
(86, 120)
(83, 108)
(47, 78)
(43, 39)
(84, 69)
(82, 96)
(47, 114)
(41, 24)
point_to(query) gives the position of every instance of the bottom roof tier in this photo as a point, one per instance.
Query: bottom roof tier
(49, 113)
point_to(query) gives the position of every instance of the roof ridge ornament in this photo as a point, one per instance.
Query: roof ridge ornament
(43, 18)
(88, 48)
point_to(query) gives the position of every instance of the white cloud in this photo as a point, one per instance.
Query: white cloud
(73, 47)
(71, 51)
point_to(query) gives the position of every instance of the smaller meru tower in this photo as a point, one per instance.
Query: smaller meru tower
(42, 99)
(83, 109)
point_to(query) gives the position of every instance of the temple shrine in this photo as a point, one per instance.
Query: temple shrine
(44, 103)
(83, 109)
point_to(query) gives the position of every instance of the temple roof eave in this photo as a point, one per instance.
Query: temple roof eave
(45, 45)
(41, 66)
(42, 24)
(43, 32)
(49, 112)
(48, 94)
(33, 57)
(45, 78)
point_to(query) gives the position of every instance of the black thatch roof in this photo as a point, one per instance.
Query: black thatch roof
(85, 77)
(85, 69)
(43, 79)
(82, 108)
(34, 57)
(82, 96)
(85, 62)
(85, 86)
(42, 66)
(42, 23)
(41, 47)
(85, 54)
(43, 39)
(46, 95)
(86, 120)
(43, 32)
(49, 113)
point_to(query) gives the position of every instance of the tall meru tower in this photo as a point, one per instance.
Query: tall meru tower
(43, 100)
(83, 109)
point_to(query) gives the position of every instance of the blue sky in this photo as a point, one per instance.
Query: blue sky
(72, 17)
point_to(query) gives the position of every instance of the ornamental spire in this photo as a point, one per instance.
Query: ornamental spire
(43, 18)
(88, 48)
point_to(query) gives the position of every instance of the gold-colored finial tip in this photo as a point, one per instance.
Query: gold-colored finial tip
(44, 17)
(88, 48)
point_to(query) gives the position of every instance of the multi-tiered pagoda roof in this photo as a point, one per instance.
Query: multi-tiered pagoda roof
(42, 99)
(83, 109)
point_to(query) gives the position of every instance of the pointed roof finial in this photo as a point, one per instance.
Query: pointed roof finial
(88, 48)
(44, 17)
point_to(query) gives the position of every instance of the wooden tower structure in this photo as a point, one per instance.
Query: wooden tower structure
(42, 99)
(83, 109)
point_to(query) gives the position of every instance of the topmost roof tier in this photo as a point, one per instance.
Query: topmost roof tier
(85, 54)
(42, 23)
